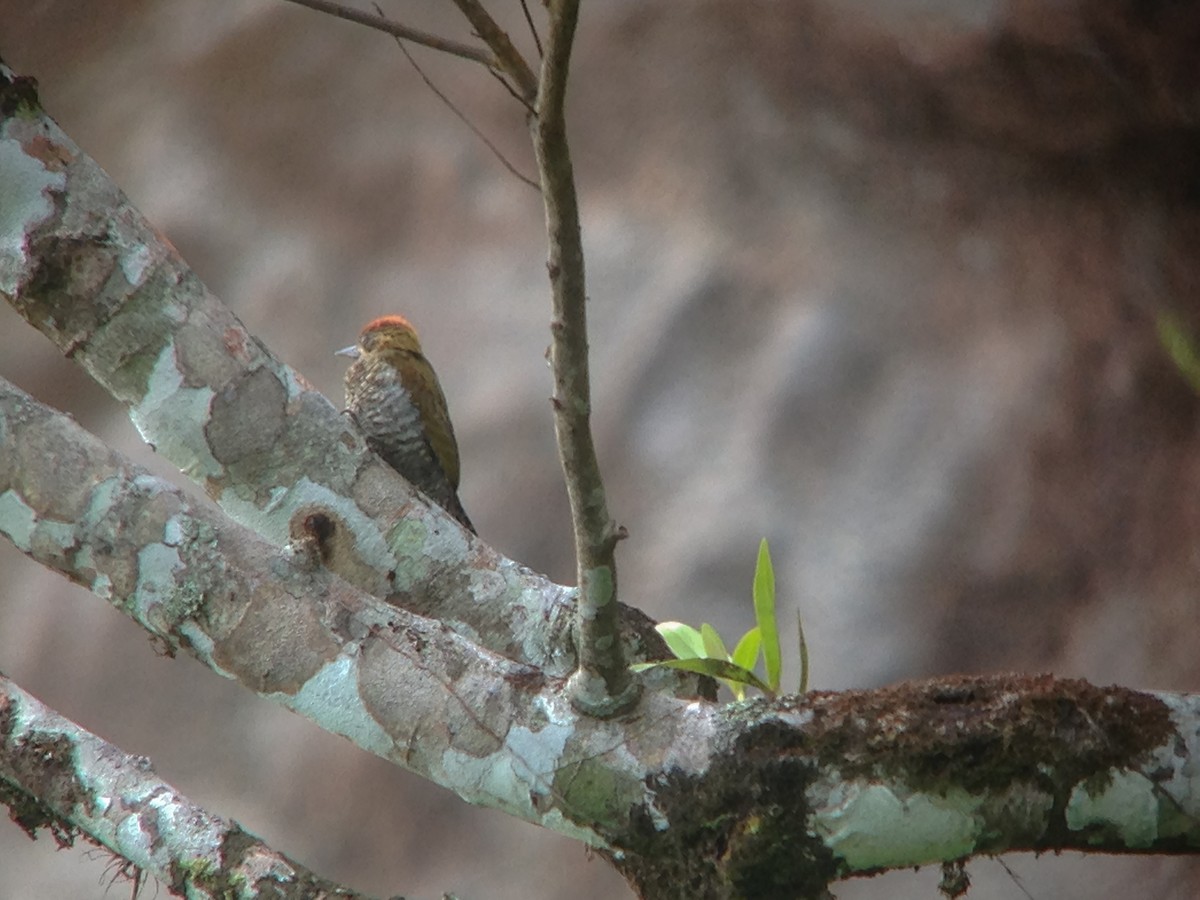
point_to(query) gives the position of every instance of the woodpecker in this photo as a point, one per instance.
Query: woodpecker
(394, 396)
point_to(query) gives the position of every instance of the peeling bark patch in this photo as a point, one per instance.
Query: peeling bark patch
(65, 491)
(55, 157)
(276, 648)
(203, 347)
(132, 346)
(238, 439)
(399, 714)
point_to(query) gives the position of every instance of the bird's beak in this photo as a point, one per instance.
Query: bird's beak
(352, 351)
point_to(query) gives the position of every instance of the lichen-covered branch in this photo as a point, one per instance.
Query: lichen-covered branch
(687, 798)
(65, 778)
(602, 684)
(793, 793)
(82, 265)
(811, 789)
(799, 791)
(496, 732)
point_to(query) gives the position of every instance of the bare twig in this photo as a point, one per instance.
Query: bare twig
(508, 58)
(602, 684)
(459, 114)
(395, 29)
(528, 104)
(537, 40)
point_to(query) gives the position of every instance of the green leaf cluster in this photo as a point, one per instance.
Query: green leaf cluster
(702, 650)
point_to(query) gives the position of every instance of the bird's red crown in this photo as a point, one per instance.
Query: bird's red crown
(387, 322)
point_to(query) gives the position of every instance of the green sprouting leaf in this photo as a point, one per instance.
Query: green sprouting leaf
(1181, 347)
(683, 640)
(745, 654)
(714, 647)
(803, 653)
(703, 651)
(715, 668)
(764, 614)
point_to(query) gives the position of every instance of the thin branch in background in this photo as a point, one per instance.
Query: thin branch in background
(1016, 879)
(537, 41)
(515, 93)
(396, 30)
(461, 117)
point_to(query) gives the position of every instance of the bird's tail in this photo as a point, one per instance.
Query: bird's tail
(455, 508)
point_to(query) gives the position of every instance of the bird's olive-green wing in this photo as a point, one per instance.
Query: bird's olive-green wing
(431, 402)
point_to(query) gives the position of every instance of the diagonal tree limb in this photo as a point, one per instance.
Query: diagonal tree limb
(797, 792)
(117, 801)
(788, 794)
(408, 689)
(82, 265)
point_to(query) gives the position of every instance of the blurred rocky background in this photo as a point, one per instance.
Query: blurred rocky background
(879, 281)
